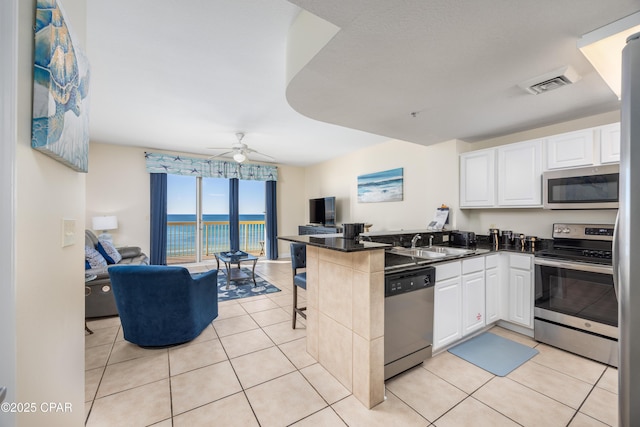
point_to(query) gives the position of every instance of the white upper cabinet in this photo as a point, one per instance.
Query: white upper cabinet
(610, 143)
(477, 178)
(570, 149)
(516, 178)
(588, 147)
(511, 175)
(520, 174)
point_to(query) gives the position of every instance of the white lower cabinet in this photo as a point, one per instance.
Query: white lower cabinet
(473, 295)
(447, 322)
(459, 300)
(520, 290)
(493, 294)
(476, 292)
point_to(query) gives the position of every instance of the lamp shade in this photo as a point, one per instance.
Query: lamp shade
(105, 222)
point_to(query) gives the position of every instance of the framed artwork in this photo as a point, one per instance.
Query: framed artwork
(60, 126)
(386, 186)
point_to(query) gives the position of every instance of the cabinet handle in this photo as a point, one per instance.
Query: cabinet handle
(3, 393)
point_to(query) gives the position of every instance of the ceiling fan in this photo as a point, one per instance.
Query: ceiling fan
(241, 151)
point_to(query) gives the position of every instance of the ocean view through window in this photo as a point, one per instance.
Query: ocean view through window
(188, 195)
(181, 235)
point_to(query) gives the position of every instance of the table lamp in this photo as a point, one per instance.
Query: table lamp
(105, 223)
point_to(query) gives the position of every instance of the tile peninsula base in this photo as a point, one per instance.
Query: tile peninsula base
(345, 318)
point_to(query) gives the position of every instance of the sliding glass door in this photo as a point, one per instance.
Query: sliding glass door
(182, 230)
(252, 216)
(215, 216)
(198, 218)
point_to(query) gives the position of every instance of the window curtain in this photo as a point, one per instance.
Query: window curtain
(158, 255)
(234, 214)
(272, 220)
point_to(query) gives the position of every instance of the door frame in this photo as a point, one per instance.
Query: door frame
(8, 142)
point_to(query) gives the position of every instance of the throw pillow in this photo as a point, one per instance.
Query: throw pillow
(93, 256)
(109, 252)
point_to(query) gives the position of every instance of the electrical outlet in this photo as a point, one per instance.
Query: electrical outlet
(68, 232)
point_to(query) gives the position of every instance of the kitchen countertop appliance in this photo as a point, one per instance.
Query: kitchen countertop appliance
(462, 239)
(593, 187)
(575, 302)
(408, 317)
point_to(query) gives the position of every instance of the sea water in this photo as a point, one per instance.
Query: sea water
(181, 239)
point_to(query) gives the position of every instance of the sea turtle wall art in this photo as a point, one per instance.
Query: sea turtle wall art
(60, 126)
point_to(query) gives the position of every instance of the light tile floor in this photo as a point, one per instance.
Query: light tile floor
(249, 368)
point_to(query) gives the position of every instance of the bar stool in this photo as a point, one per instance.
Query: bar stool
(298, 261)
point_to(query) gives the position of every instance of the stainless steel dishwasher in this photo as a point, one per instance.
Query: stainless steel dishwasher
(408, 318)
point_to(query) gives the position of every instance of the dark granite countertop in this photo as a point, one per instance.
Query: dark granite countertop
(338, 243)
(335, 242)
(540, 244)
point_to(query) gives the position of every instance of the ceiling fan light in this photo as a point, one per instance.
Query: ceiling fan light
(239, 157)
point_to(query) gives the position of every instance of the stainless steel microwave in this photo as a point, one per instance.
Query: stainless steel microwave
(593, 187)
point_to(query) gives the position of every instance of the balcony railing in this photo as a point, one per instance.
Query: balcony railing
(181, 239)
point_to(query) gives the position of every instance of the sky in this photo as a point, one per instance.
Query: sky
(181, 195)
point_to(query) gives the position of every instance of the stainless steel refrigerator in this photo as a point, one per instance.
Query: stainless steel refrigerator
(627, 241)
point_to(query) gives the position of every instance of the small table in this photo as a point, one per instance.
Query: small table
(229, 258)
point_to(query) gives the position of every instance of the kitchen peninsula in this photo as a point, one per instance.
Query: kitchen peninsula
(345, 311)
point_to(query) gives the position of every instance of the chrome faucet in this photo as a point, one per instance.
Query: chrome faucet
(430, 240)
(414, 240)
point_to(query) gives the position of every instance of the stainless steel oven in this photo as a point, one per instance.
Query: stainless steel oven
(575, 307)
(595, 187)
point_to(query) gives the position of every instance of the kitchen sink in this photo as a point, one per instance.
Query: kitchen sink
(418, 253)
(433, 252)
(449, 251)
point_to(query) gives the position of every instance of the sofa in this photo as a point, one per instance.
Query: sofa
(99, 300)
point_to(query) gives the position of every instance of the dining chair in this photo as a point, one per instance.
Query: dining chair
(298, 261)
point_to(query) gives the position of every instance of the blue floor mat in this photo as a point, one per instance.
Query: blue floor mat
(493, 353)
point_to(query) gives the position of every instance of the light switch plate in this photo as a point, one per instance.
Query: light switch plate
(68, 232)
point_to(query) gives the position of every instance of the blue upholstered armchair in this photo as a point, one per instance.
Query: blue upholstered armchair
(161, 306)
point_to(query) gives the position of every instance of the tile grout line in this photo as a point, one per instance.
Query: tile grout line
(587, 397)
(104, 369)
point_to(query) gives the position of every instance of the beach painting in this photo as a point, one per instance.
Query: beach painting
(383, 186)
(60, 125)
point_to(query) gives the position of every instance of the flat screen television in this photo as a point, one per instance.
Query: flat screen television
(322, 211)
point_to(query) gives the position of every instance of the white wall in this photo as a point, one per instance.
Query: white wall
(118, 184)
(430, 179)
(49, 279)
(291, 204)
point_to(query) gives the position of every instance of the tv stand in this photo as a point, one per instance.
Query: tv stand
(317, 229)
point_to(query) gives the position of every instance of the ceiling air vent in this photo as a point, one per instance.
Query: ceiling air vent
(550, 81)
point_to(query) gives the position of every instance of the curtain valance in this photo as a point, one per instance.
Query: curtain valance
(207, 168)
